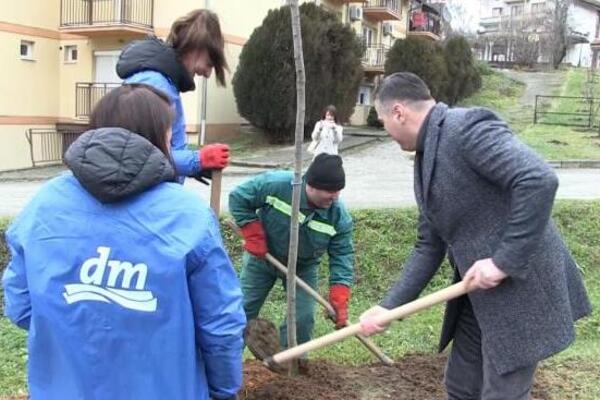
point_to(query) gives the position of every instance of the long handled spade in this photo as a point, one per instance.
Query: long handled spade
(262, 348)
(449, 293)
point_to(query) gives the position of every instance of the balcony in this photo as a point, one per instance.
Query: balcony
(383, 10)
(96, 18)
(374, 57)
(425, 24)
(87, 95)
(516, 22)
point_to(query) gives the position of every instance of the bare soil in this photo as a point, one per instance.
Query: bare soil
(412, 378)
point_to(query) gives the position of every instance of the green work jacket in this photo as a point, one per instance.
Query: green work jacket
(268, 197)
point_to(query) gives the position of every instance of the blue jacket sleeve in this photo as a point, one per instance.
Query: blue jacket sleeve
(218, 313)
(14, 281)
(187, 162)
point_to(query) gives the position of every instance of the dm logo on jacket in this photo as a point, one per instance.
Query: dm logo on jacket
(122, 273)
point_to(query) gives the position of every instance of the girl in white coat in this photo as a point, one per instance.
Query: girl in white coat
(327, 134)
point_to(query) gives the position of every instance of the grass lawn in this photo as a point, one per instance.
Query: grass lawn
(248, 141)
(558, 142)
(554, 142)
(383, 240)
(498, 92)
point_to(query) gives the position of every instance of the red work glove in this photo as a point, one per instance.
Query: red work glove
(255, 240)
(339, 296)
(214, 156)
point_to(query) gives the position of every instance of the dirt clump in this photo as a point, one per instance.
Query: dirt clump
(412, 378)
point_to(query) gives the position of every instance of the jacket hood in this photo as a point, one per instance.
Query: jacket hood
(114, 163)
(154, 54)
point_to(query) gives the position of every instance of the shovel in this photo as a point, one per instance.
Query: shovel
(263, 347)
(449, 293)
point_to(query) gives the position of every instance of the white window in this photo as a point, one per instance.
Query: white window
(516, 10)
(364, 96)
(27, 49)
(106, 66)
(496, 12)
(538, 7)
(367, 36)
(71, 54)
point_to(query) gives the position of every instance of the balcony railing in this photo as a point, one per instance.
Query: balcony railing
(383, 10)
(425, 22)
(374, 57)
(517, 21)
(87, 94)
(87, 13)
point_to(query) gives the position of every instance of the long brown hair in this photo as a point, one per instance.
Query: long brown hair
(138, 108)
(331, 110)
(200, 30)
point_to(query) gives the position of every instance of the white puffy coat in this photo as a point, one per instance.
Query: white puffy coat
(328, 136)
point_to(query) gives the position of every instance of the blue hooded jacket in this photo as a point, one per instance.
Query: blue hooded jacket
(123, 282)
(152, 62)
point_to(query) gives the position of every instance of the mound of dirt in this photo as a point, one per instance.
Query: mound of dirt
(412, 378)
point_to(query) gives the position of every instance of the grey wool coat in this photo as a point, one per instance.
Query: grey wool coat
(482, 193)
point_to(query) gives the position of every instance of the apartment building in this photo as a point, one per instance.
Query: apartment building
(59, 58)
(379, 23)
(535, 18)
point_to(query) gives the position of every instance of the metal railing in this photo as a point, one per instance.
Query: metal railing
(421, 21)
(106, 12)
(580, 111)
(48, 146)
(375, 55)
(87, 94)
(394, 5)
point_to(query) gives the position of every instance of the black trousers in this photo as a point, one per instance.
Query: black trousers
(470, 373)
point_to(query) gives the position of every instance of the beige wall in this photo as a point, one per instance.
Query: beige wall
(16, 154)
(360, 115)
(38, 13)
(71, 73)
(28, 87)
(237, 17)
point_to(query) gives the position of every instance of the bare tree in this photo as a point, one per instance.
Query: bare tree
(297, 183)
(559, 32)
(457, 19)
(528, 38)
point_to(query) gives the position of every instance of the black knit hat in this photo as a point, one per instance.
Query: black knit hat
(326, 173)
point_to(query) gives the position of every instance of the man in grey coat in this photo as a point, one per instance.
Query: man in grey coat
(485, 200)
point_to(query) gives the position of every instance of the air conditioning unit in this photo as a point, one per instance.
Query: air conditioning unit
(387, 29)
(355, 13)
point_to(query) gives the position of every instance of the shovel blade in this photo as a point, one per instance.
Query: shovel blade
(262, 338)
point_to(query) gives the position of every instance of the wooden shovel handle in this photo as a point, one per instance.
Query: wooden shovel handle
(368, 343)
(449, 293)
(215, 190)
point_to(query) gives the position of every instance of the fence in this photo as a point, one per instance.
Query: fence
(394, 5)
(375, 55)
(87, 95)
(568, 111)
(106, 12)
(47, 146)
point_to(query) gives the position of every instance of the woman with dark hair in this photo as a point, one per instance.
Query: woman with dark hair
(195, 46)
(327, 135)
(123, 296)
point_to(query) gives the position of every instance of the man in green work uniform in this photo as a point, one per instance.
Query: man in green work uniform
(262, 208)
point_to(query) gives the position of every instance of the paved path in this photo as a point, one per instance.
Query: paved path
(537, 83)
(379, 176)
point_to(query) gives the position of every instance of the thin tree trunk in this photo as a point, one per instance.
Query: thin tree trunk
(297, 183)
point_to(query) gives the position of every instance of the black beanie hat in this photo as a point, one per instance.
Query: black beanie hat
(326, 173)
